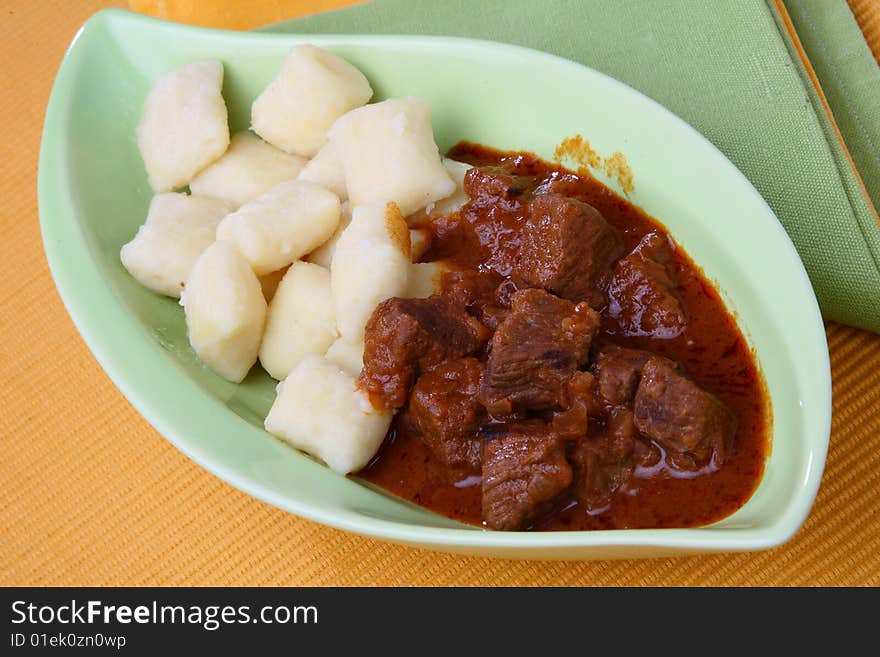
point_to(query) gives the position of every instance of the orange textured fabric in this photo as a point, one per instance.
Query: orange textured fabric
(235, 14)
(867, 13)
(91, 494)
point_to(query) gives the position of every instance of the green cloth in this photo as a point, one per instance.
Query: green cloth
(850, 79)
(725, 68)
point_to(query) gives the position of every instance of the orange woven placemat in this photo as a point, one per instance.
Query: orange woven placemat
(91, 494)
(867, 13)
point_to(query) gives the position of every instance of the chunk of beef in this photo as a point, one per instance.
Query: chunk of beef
(482, 293)
(445, 410)
(524, 473)
(453, 238)
(495, 181)
(535, 351)
(617, 372)
(605, 463)
(641, 294)
(681, 417)
(583, 402)
(566, 184)
(405, 337)
(567, 248)
(621, 434)
(497, 209)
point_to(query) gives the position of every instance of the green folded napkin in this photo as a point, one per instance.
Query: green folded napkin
(727, 69)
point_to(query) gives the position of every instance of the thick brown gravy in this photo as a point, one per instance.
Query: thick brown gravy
(711, 348)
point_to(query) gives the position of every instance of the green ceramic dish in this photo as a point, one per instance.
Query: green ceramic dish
(93, 194)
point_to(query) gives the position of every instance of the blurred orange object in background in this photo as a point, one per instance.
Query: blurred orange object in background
(235, 14)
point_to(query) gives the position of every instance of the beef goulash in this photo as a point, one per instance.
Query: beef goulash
(574, 370)
(488, 335)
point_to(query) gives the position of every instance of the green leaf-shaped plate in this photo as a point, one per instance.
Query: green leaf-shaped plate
(93, 194)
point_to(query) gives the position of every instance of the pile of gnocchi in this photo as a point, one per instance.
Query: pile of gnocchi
(292, 233)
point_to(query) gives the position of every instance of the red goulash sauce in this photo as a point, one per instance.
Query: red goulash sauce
(711, 349)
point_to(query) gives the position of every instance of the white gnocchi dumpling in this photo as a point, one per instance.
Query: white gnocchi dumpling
(282, 224)
(319, 410)
(247, 169)
(165, 249)
(419, 239)
(325, 169)
(183, 127)
(323, 255)
(312, 90)
(300, 319)
(370, 264)
(424, 279)
(347, 355)
(459, 197)
(388, 153)
(225, 311)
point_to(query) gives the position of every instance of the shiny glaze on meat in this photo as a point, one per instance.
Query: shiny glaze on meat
(481, 243)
